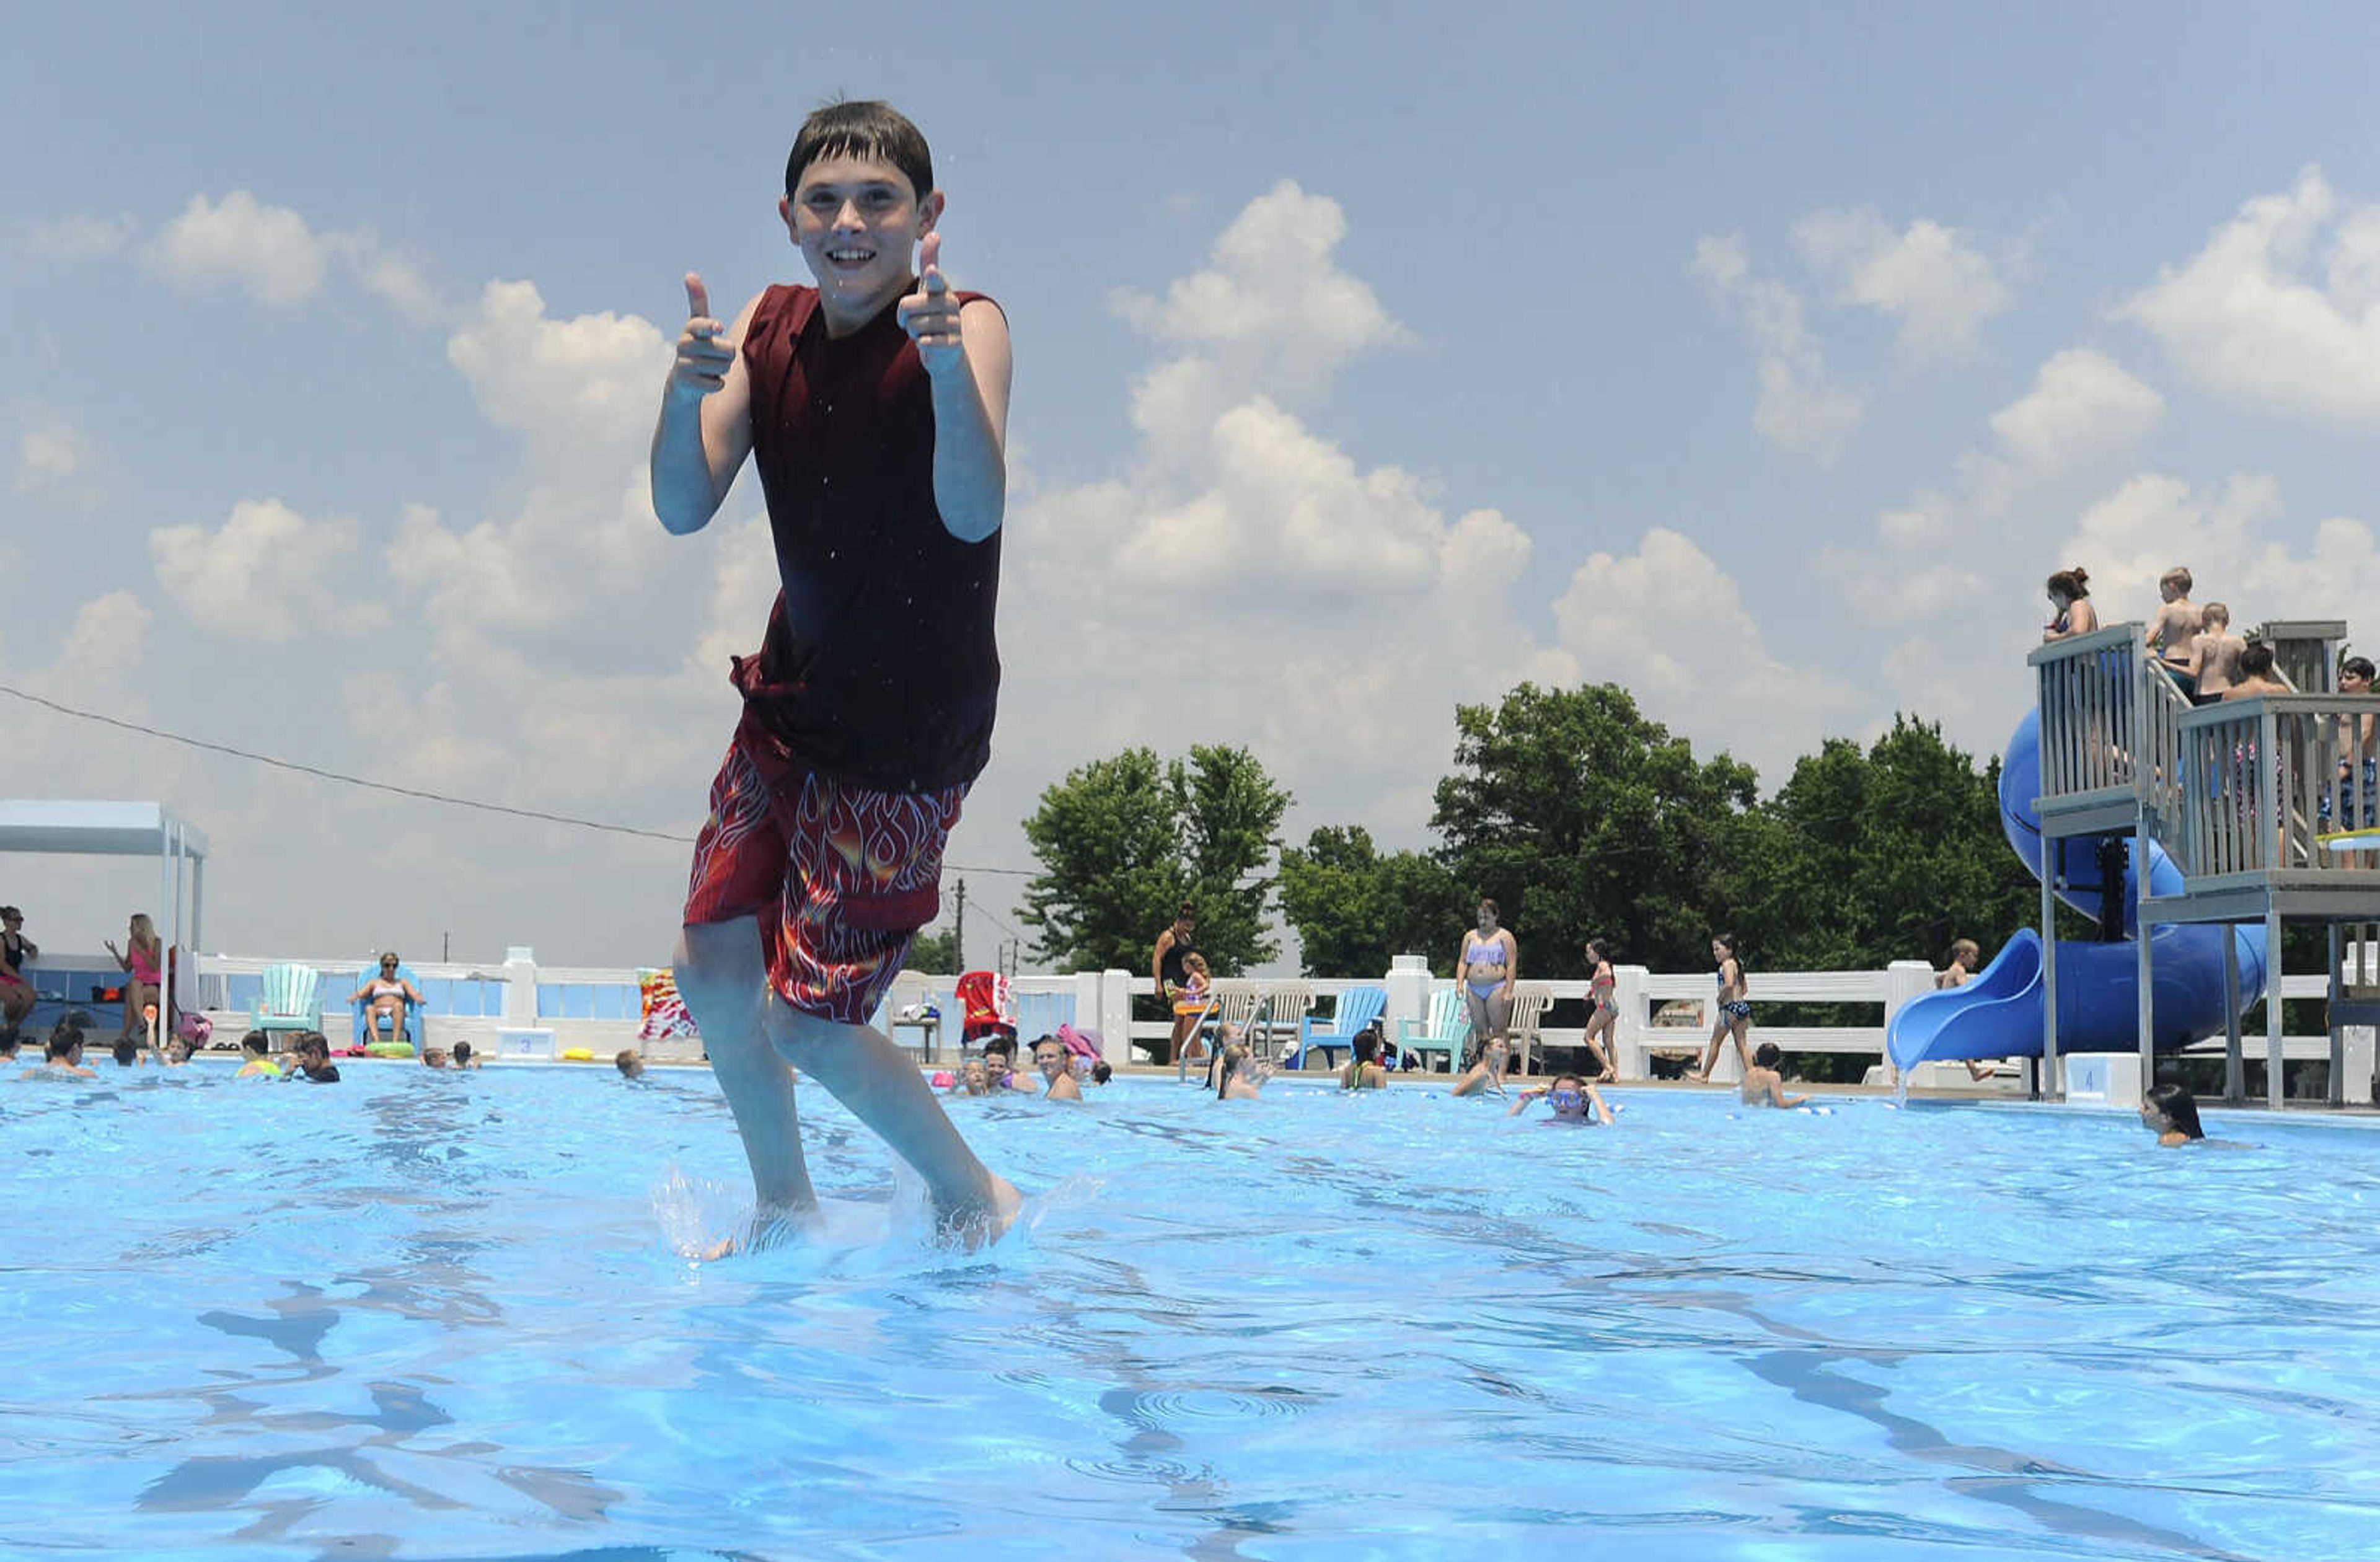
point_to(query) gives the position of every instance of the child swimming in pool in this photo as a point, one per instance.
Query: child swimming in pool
(62, 1057)
(1764, 1086)
(1572, 1098)
(1364, 1069)
(255, 1057)
(1241, 1076)
(1487, 1072)
(2171, 1112)
(874, 406)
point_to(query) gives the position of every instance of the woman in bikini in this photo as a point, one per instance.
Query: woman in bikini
(391, 997)
(140, 960)
(2070, 594)
(1602, 1010)
(1734, 1016)
(1487, 965)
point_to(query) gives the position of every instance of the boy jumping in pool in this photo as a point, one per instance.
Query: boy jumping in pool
(874, 406)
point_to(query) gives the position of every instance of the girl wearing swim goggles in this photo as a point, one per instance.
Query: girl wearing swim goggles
(1572, 1100)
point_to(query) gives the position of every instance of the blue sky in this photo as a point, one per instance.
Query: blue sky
(1762, 359)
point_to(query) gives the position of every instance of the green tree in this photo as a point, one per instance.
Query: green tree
(1582, 819)
(1123, 841)
(936, 954)
(1887, 854)
(1354, 908)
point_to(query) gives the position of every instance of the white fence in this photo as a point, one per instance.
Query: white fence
(1661, 1013)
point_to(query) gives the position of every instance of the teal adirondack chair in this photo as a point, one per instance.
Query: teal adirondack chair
(1446, 1031)
(1357, 1007)
(290, 999)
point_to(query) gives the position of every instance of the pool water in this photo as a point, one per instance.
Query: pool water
(421, 1315)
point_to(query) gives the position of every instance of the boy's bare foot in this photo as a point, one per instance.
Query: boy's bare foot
(979, 1223)
(768, 1229)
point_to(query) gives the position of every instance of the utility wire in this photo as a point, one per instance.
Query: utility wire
(415, 792)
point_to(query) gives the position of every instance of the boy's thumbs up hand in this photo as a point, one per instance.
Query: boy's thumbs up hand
(930, 314)
(702, 358)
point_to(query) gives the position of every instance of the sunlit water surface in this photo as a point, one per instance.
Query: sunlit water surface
(422, 1315)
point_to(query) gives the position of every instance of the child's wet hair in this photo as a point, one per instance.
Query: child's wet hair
(1766, 1056)
(1966, 950)
(2178, 577)
(2256, 659)
(2072, 584)
(862, 127)
(2215, 612)
(2180, 1108)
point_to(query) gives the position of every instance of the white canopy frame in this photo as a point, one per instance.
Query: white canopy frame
(127, 829)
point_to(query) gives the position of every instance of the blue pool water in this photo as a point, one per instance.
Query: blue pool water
(418, 1315)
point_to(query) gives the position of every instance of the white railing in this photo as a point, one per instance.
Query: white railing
(2090, 704)
(2263, 781)
(1658, 1012)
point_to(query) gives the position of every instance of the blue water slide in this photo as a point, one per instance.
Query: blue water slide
(1999, 1014)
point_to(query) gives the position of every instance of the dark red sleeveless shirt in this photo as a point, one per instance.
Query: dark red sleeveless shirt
(880, 665)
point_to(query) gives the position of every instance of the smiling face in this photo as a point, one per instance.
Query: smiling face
(1050, 1058)
(857, 222)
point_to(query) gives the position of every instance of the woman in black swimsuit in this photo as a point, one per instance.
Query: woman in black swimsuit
(1166, 970)
(16, 991)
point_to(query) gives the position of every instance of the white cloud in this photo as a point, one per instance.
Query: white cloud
(269, 574)
(55, 459)
(79, 237)
(97, 665)
(270, 251)
(279, 258)
(2082, 405)
(2229, 537)
(1271, 307)
(579, 538)
(1669, 623)
(2248, 318)
(1928, 277)
(399, 281)
(1800, 409)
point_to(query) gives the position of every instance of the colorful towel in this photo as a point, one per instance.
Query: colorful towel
(664, 1011)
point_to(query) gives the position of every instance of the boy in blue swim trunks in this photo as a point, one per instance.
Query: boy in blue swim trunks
(874, 406)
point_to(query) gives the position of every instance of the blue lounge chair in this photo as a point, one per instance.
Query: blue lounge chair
(366, 1032)
(1446, 1031)
(288, 998)
(1357, 1008)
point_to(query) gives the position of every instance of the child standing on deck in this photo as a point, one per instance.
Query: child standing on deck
(2213, 656)
(1734, 1009)
(2173, 634)
(874, 406)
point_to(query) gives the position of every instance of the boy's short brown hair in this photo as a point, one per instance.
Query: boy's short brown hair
(2178, 577)
(863, 127)
(2215, 612)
